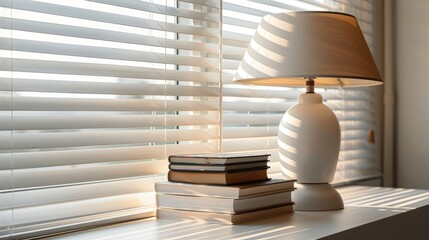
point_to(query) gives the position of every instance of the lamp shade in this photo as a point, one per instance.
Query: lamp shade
(327, 46)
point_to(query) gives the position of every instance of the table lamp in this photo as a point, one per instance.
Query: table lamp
(315, 49)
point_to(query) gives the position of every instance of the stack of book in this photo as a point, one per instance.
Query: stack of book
(226, 188)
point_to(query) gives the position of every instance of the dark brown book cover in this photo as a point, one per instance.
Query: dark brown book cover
(219, 178)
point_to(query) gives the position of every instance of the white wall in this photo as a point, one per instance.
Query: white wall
(411, 36)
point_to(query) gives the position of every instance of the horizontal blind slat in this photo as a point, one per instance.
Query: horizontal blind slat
(21, 103)
(244, 9)
(252, 119)
(237, 37)
(250, 132)
(56, 176)
(117, 88)
(61, 49)
(305, 4)
(239, 22)
(240, 145)
(46, 122)
(93, 138)
(208, 3)
(283, 93)
(52, 158)
(96, 69)
(256, 106)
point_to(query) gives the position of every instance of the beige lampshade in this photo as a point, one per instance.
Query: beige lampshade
(328, 46)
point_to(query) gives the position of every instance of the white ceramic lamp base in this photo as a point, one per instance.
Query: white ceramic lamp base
(309, 143)
(316, 197)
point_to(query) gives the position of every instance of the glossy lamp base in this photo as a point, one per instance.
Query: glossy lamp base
(316, 197)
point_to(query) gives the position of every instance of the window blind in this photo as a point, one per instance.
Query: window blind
(251, 114)
(95, 95)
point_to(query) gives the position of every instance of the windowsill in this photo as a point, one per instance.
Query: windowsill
(363, 205)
